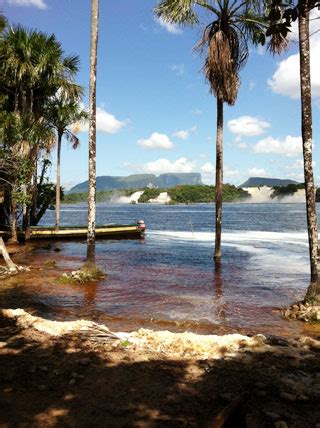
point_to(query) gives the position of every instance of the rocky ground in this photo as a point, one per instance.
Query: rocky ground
(81, 375)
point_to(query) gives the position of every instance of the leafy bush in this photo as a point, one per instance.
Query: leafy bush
(282, 191)
(149, 194)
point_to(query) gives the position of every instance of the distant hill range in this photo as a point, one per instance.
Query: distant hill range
(139, 181)
(270, 182)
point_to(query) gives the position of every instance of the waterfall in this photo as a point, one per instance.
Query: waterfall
(263, 195)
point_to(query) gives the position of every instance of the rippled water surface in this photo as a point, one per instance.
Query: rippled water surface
(168, 279)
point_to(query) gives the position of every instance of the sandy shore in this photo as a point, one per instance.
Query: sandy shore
(79, 374)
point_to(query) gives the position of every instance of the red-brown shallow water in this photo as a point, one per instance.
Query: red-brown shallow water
(168, 281)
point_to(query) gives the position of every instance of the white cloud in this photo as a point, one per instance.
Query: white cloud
(163, 165)
(185, 134)
(257, 172)
(40, 4)
(178, 69)
(156, 141)
(290, 146)
(207, 168)
(196, 112)
(241, 145)
(248, 126)
(207, 173)
(286, 79)
(106, 122)
(170, 28)
(184, 165)
(230, 173)
(298, 164)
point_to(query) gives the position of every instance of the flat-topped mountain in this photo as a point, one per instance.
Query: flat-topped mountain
(269, 182)
(139, 181)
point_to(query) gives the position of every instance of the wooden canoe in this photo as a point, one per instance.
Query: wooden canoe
(109, 231)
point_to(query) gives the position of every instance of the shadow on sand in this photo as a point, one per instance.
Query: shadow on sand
(69, 382)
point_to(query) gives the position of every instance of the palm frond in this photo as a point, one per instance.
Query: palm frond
(277, 43)
(177, 12)
(226, 50)
(73, 139)
(3, 22)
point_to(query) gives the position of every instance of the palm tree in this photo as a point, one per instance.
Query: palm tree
(33, 69)
(280, 18)
(225, 45)
(306, 115)
(91, 244)
(63, 111)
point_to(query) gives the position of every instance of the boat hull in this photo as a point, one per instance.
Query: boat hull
(74, 232)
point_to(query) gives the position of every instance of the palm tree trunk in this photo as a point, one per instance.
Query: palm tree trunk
(58, 181)
(91, 244)
(306, 116)
(10, 265)
(219, 179)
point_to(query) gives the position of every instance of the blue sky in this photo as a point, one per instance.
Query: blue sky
(155, 112)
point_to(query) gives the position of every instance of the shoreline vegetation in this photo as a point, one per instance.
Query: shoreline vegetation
(180, 194)
(185, 194)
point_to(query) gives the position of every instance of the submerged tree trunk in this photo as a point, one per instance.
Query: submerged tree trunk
(10, 265)
(91, 244)
(306, 116)
(219, 180)
(58, 181)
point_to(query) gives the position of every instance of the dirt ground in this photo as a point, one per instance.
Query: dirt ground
(78, 380)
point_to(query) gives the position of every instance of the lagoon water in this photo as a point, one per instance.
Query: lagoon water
(168, 279)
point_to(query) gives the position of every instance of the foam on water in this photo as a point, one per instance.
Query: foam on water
(297, 238)
(269, 250)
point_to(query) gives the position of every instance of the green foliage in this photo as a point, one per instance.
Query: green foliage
(38, 98)
(125, 343)
(178, 11)
(318, 195)
(182, 194)
(205, 194)
(282, 191)
(149, 194)
(232, 193)
(191, 194)
(76, 198)
(81, 276)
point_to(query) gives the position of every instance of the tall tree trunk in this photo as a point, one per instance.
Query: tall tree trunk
(58, 181)
(10, 265)
(26, 224)
(43, 170)
(306, 121)
(14, 234)
(33, 214)
(91, 244)
(219, 180)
